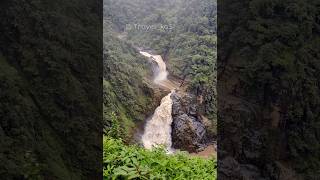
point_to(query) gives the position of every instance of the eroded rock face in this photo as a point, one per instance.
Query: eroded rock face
(188, 131)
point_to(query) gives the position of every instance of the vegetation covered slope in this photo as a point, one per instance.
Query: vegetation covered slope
(133, 162)
(127, 93)
(269, 62)
(50, 89)
(183, 32)
(127, 98)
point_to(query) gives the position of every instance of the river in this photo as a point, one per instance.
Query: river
(157, 130)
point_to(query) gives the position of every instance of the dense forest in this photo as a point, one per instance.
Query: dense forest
(51, 86)
(184, 34)
(50, 89)
(127, 95)
(269, 89)
(189, 46)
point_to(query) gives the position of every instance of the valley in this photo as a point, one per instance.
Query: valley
(160, 84)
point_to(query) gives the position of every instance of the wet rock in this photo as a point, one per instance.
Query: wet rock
(193, 111)
(188, 131)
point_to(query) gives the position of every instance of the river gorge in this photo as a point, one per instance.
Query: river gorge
(157, 130)
(175, 123)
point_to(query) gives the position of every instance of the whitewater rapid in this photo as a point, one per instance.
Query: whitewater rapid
(161, 73)
(158, 129)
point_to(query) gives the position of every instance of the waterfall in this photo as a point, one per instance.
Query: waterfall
(158, 129)
(162, 72)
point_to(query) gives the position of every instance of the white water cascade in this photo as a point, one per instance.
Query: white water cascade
(162, 73)
(157, 130)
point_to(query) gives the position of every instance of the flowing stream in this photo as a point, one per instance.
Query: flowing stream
(161, 73)
(157, 130)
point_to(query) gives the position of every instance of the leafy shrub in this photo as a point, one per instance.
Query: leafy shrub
(133, 162)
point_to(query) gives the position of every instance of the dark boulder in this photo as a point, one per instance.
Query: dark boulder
(188, 131)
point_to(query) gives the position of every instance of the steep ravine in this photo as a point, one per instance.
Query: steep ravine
(176, 122)
(157, 130)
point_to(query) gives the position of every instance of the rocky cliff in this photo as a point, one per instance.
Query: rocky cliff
(188, 129)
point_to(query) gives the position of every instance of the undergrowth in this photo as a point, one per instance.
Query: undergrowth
(132, 162)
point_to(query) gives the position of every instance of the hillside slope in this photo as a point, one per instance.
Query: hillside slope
(269, 89)
(50, 93)
(128, 93)
(183, 32)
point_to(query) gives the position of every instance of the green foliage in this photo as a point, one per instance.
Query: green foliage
(127, 95)
(285, 67)
(189, 46)
(133, 162)
(50, 54)
(274, 45)
(113, 129)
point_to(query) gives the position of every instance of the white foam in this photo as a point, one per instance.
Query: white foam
(158, 129)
